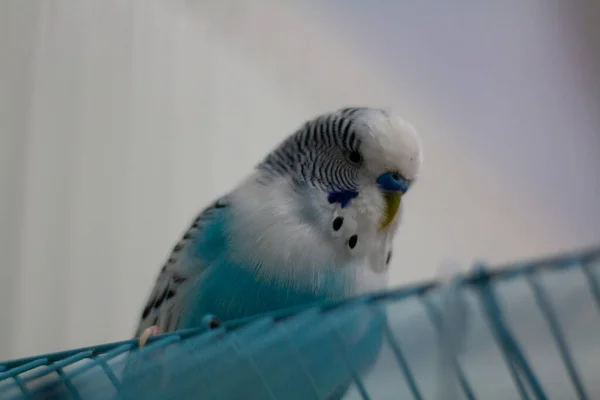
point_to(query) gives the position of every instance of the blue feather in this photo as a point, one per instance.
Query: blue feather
(343, 197)
(231, 290)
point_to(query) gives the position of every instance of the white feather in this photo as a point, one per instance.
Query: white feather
(296, 241)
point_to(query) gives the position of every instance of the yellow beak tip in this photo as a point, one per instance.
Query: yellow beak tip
(392, 200)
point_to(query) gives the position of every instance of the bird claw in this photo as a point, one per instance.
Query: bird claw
(148, 332)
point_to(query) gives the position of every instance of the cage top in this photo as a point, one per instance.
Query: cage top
(480, 274)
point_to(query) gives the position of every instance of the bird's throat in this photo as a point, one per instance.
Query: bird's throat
(392, 203)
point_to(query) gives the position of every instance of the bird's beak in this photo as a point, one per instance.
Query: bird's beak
(393, 187)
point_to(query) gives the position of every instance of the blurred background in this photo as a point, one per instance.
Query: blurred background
(119, 120)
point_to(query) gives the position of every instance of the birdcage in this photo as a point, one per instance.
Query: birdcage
(525, 331)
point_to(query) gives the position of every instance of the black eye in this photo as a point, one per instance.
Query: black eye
(355, 157)
(395, 177)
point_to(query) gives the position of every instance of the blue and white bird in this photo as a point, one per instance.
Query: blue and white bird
(313, 221)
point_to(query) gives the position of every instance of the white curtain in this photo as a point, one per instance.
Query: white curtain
(121, 119)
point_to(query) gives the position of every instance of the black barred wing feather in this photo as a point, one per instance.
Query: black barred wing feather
(179, 273)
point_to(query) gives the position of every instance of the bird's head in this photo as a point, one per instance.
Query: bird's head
(327, 198)
(353, 155)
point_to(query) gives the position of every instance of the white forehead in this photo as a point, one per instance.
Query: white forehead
(390, 143)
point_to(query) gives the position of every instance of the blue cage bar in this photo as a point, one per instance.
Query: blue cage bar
(523, 331)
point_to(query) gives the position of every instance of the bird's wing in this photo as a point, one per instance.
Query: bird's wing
(180, 273)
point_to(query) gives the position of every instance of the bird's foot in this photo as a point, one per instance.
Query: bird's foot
(148, 332)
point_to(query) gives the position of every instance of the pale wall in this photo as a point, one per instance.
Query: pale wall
(121, 119)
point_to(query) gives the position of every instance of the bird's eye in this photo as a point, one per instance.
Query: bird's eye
(355, 157)
(395, 177)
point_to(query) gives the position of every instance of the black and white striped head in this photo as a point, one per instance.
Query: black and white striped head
(327, 197)
(347, 151)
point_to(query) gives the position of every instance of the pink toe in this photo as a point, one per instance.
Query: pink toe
(154, 330)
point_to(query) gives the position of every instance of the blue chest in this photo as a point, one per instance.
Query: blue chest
(230, 290)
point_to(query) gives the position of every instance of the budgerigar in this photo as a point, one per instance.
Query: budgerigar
(313, 221)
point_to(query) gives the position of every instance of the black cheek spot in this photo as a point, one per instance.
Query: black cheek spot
(214, 323)
(352, 241)
(337, 223)
(389, 257)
